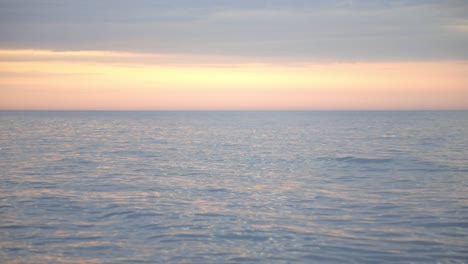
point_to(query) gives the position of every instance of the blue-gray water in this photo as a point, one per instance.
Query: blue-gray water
(234, 187)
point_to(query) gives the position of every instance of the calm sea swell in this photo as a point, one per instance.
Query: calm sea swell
(233, 187)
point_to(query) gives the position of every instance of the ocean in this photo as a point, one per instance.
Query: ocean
(234, 187)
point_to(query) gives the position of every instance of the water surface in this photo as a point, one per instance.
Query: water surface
(233, 187)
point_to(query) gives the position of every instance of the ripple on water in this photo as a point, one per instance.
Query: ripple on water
(233, 188)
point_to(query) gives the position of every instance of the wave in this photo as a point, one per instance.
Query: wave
(353, 159)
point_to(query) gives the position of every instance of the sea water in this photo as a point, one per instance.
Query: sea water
(234, 187)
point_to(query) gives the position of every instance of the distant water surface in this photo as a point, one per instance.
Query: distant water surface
(233, 187)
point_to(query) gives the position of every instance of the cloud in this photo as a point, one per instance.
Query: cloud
(299, 30)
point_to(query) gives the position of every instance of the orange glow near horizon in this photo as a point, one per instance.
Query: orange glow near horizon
(95, 80)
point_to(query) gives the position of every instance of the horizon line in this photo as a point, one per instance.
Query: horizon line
(232, 110)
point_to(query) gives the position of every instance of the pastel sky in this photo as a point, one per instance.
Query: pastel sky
(233, 55)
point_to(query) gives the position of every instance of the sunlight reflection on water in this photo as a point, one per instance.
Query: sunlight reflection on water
(207, 187)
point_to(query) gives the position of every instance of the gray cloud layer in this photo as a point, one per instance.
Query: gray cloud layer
(318, 30)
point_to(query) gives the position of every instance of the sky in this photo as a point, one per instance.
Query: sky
(233, 55)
